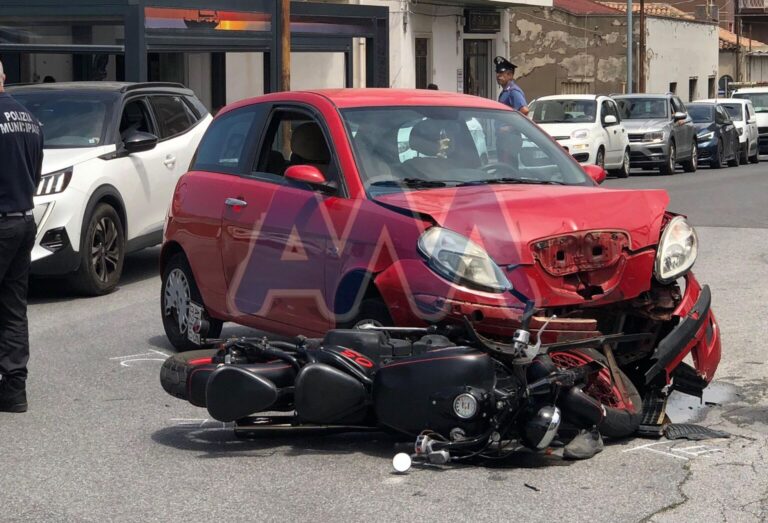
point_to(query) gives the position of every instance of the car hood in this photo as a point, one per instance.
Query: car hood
(704, 126)
(506, 219)
(565, 129)
(57, 159)
(645, 124)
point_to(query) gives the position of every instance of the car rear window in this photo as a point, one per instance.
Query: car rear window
(223, 148)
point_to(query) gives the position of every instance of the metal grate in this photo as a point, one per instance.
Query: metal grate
(575, 87)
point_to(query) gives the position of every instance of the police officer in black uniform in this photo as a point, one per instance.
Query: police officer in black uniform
(21, 159)
(511, 94)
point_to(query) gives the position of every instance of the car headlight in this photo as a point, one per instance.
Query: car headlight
(580, 134)
(461, 260)
(654, 136)
(54, 182)
(677, 251)
(706, 136)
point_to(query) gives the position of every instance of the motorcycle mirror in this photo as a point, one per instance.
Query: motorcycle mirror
(401, 462)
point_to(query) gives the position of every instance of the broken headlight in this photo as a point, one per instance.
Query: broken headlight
(461, 260)
(678, 248)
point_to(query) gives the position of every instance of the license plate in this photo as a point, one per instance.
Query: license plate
(195, 315)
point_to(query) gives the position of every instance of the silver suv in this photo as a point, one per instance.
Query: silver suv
(661, 134)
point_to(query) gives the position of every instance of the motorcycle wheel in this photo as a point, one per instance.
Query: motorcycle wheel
(623, 412)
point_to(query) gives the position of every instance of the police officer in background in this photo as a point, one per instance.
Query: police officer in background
(511, 94)
(21, 159)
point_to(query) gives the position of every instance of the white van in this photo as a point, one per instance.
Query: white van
(759, 98)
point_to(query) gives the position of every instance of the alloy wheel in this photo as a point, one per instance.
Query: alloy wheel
(176, 298)
(105, 249)
(695, 157)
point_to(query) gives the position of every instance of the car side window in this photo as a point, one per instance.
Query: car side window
(295, 138)
(225, 146)
(609, 108)
(173, 115)
(136, 117)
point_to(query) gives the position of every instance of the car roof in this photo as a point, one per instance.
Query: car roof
(703, 102)
(381, 97)
(571, 97)
(740, 101)
(119, 87)
(643, 95)
(752, 90)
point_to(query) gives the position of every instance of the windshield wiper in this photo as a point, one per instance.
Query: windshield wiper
(410, 182)
(531, 181)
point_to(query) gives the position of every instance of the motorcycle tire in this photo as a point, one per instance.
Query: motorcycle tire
(175, 370)
(623, 413)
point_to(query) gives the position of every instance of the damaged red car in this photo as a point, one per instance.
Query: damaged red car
(306, 211)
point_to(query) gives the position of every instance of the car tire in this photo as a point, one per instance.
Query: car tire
(102, 253)
(718, 159)
(669, 166)
(600, 157)
(178, 289)
(619, 421)
(756, 157)
(372, 310)
(623, 171)
(692, 163)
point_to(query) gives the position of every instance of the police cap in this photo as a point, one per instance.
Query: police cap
(502, 64)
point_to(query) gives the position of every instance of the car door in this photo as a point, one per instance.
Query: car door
(727, 131)
(614, 150)
(275, 238)
(683, 131)
(751, 127)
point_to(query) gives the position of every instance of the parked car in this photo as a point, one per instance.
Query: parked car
(587, 126)
(717, 135)
(113, 154)
(312, 220)
(759, 98)
(661, 134)
(743, 116)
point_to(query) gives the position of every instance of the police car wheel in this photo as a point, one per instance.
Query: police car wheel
(102, 250)
(178, 289)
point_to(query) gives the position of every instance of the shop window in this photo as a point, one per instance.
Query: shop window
(692, 89)
(477, 67)
(422, 62)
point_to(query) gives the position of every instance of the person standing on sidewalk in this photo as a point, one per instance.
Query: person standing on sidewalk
(511, 94)
(21, 160)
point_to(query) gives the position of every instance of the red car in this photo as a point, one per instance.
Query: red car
(305, 211)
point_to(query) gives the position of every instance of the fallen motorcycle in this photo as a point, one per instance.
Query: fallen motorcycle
(460, 394)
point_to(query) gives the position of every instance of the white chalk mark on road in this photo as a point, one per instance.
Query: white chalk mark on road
(151, 355)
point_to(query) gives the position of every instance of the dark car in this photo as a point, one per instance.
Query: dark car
(716, 134)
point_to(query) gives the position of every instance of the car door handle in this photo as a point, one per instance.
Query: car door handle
(234, 202)
(170, 161)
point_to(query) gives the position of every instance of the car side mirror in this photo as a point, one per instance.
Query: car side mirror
(679, 116)
(138, 141)
(595, 172)
(305, 174)
(609, 120)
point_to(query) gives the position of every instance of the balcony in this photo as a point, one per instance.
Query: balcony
(753, 5)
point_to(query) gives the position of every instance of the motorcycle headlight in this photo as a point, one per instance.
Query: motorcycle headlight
(460, 260)
(654, 136)
(580, 134)
(706, 136)
(677, 251)
(54, 182)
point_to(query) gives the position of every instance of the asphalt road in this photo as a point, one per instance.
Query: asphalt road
(103, 442)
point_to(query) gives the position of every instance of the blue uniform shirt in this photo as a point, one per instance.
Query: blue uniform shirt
(513, 96)
(21, 154)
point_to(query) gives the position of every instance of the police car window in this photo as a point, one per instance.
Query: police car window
(224, 146)
(69, 119)
(413, 148)
(172, 114)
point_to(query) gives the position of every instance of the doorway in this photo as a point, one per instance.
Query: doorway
(477, 67)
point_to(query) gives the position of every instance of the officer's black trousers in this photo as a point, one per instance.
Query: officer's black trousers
(17, 237)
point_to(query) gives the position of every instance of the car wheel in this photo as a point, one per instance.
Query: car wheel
(178, 290)
(600, 158)
(692, 163)
(623, 171)
(669, 166)
(371, 311)
(102, 252)
(718, 159)
(756, 157)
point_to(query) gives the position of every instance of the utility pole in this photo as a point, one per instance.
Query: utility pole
(285, 45)
(641, 53)
(738, 45)
(629, 46)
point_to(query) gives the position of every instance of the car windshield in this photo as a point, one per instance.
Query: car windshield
(759, 100)
(701, 113)
(564, 111)
(70, 119)
(734, 111)
(413, 148)
(642, 108)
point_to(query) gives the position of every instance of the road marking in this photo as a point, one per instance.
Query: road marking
(198, 423)
(151, 355)
(690, 452)
(648, 448)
